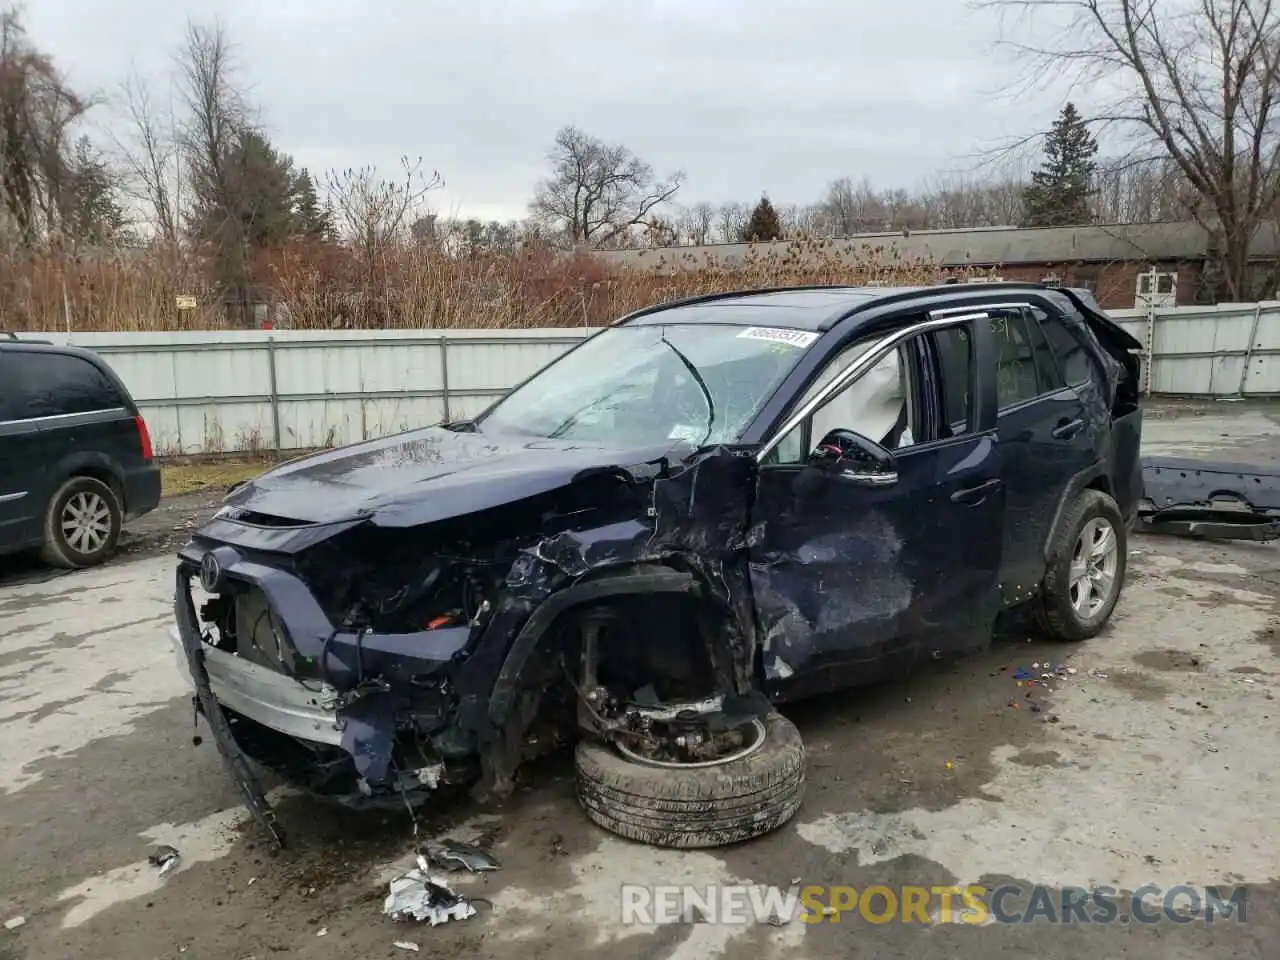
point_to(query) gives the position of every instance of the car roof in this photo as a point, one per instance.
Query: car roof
(816, 308)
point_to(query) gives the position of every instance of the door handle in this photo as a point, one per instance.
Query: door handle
(1066, 429)
(972, 496)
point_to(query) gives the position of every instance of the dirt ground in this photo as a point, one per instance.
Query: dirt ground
(1148, 764)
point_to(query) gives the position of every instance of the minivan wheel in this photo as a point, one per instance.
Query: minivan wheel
(711, 804)
(81, 524)
(1086, 574)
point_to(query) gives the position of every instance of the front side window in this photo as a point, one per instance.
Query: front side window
(877, 405)
(651, 384)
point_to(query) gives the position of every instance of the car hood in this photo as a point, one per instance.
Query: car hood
(431, 474)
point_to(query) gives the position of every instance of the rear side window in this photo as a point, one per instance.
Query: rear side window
(1073, 358)
(1015, 360)
(53, 384)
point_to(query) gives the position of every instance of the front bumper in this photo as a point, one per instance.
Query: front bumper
(272, 699)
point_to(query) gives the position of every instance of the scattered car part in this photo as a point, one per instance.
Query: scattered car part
(416, 895)
(407, 945)
(698, 805)
(13, 923)
(1210, 499)
(166, 858)
(455, 855)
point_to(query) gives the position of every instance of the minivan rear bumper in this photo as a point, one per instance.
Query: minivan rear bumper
(141, 490)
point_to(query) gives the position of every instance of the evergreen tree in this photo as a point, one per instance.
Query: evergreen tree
(91, 209)
(764, 223)
(1059, 192)
(312, 220)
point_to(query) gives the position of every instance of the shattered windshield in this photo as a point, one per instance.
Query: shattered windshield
(640, 385)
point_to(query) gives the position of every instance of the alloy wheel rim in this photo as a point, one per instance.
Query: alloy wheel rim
(86, 522)
(1095, 561)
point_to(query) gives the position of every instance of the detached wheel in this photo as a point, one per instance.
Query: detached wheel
(82, 524)
(1086, 574)
(696, 805)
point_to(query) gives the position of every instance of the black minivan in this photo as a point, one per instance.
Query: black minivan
(75, 454)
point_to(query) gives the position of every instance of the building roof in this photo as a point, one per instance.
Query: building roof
(984, 247)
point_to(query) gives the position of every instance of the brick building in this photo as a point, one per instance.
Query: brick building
(1125, 265)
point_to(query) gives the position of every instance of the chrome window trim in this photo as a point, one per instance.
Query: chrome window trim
(64, 416)
(938, 320)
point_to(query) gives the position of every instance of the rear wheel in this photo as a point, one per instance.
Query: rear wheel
(1087, 571)
(82, 524)
(755, 788)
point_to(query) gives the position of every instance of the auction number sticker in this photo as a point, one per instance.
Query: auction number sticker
(793, 338)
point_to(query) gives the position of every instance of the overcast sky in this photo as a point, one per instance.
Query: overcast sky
(745, 95)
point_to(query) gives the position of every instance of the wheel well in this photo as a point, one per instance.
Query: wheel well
(660, 639)
(1101, 483)
(102, 475)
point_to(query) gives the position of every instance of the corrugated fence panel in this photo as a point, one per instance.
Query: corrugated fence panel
(248, 390)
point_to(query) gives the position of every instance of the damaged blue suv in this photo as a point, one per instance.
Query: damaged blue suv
(711, 507)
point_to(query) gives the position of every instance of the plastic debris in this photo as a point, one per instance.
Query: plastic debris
(1022, 673)
(165, 857)
(322, 931)
(416, 895)
(406, 945)
(13, 923)
(453, 855)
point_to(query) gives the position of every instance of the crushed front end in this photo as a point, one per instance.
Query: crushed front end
(377, 659)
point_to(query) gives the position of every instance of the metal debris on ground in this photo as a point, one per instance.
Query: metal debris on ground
(416, 895)
(165, 857)
(13, 923)
(454, 855)
(407, 945)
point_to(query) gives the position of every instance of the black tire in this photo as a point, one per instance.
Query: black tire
(64, 545)
(1058, 612)
(695, 806)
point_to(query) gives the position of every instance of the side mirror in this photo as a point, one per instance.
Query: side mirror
(855, 459)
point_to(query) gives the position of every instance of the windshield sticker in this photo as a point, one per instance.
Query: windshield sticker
(793, 338)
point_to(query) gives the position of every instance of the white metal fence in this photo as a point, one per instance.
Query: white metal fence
(292, 389)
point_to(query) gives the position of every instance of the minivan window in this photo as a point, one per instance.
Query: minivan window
(56, 384)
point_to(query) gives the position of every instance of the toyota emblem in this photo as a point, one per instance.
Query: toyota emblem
(210, 573)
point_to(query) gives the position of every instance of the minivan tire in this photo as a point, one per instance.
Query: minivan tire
(689, 807)
(65, 544)
(1066, 612)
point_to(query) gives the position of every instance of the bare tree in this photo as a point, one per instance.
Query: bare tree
(38, 110)
(597, 191)
(150, 156)
(731, 220)
(1198, 82)
(373, 211)
(213, 118)
(696, 224)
